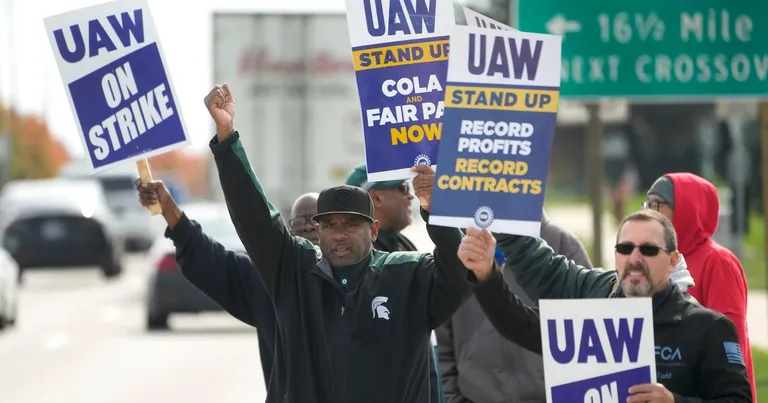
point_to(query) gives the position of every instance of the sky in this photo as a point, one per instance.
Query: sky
(30, 80)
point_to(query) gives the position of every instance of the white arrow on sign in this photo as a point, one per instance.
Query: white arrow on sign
(560, 26)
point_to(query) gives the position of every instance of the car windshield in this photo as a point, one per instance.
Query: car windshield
(218, 228)
(116, 184)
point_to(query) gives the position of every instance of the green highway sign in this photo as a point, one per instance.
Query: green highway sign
(676, 50)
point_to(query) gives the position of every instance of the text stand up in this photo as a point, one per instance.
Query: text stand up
(146, 177)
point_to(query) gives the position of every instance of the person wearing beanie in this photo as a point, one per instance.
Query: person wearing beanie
(693, 205)
(392, 208)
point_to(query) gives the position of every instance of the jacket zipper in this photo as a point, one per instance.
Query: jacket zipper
(340, 355)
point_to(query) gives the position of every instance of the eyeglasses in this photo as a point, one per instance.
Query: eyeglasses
(403, 188)
(653, 204)
(645, 250)
(301, 221)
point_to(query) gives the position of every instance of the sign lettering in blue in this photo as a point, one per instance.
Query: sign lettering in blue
(596, 355)
(500, 112)
(111, 62)
(400, 51)
(589, 345)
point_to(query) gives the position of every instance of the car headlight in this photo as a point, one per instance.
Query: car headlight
(87, 211)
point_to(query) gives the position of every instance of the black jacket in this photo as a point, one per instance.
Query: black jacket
(368, 344)
(690, 341)
(230, 280)
(392, 241)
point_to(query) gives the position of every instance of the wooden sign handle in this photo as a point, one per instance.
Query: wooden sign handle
(146, 177)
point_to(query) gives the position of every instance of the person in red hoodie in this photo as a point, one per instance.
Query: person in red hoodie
(693, 206)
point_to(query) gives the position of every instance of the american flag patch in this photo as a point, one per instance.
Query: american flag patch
(733, 353)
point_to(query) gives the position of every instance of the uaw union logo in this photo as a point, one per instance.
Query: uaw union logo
(484, 217)
(422, 159)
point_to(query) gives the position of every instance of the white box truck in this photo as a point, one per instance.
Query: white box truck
(297, 108)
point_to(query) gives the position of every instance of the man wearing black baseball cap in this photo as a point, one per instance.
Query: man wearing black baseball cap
(392, 209)
(354, 322)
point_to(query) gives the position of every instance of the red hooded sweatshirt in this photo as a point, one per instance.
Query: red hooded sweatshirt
(719, 279)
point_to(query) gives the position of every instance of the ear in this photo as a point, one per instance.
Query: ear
(673, 258)
(374, 230)
(376, 197)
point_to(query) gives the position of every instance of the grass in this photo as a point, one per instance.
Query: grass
(754, 254)
(760, 364)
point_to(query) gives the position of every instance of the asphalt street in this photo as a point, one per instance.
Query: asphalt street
(81, 339)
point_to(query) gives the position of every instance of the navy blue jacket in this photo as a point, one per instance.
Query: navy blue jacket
(230, 280)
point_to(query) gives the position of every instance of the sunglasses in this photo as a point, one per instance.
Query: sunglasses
(645, 250)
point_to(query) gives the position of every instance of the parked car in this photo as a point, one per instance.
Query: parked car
(133, 221)
(9, 300)
(169, 292)
(59, 223)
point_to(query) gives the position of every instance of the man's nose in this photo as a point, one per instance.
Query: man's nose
(410, 196)
(309, 227)
(636, 256)
(340, 235)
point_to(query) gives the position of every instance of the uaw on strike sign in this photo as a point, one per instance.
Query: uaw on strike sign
(596, 349)
(110, 60)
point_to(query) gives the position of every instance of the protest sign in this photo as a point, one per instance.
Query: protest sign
(500, 111)
(475, 19)
(116, 79)
(595, 353)
(400, 53)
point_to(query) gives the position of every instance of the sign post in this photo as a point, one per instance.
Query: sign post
(596, 181)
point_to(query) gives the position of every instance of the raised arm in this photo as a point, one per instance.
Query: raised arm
(544, 275)
(225, 276)
(258, 223)
(228, 278)
(445, 275)
(513, 320)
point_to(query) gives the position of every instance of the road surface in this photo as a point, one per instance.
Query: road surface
(80, 339)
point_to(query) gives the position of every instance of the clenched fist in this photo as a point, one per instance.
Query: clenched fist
(423, 184)
(477, 251)
(221, 106)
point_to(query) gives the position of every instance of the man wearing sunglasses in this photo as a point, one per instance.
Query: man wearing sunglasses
(709, 366)
(692, 204)
(392, 208)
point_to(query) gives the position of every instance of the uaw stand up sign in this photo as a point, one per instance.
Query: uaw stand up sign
(596, 349)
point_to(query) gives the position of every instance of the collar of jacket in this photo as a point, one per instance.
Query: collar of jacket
(668, 304)
(353, 272)
(386, 240)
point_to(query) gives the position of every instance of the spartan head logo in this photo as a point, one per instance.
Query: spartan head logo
(379, 310)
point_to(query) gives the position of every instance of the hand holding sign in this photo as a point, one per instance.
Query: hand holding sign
(221, 106)
(423, 184)
(477, 251)
(650, 393)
